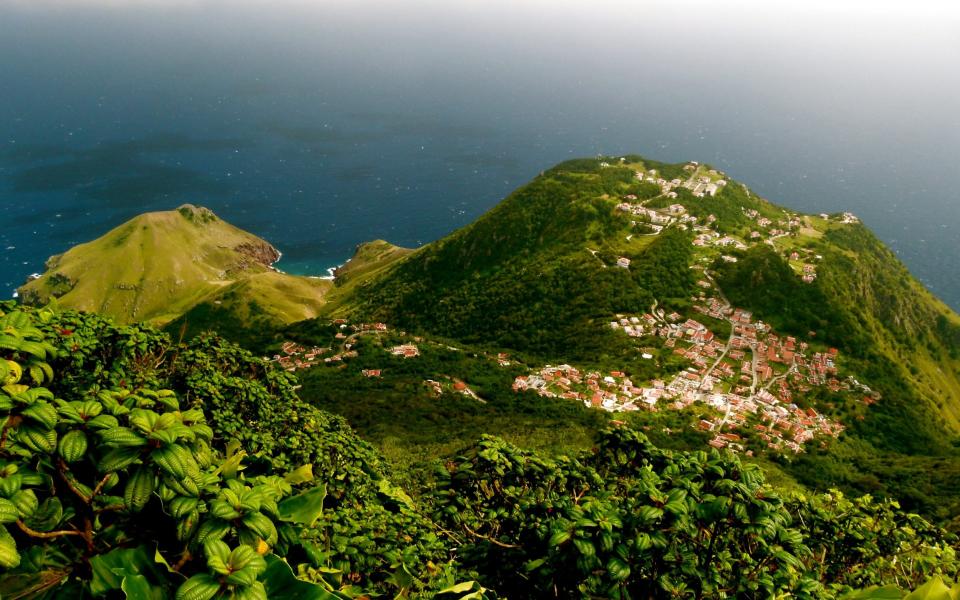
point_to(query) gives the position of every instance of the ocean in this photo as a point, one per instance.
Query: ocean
(319, 125)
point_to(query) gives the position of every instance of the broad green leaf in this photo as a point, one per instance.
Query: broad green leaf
(394, 492)
(281, 584)
(301, 474)
(199, 587)
(136, 587)
(934, 589)
(619, 569)
(9, 557)
(560, 537)
(888, 592)
(304, 508)
(110, 569)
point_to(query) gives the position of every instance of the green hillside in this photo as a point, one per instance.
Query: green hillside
(368, 258)
(252, 307)
(534, 272)
(160, 265)
(537, 276)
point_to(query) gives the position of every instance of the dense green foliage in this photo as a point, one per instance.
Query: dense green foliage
(139, 455)
(131, 465)
(84, 477)
(763, 281)
(629, 520)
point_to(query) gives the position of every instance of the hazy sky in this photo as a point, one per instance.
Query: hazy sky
(820, 105)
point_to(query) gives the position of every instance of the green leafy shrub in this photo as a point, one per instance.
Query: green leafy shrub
(630, 520)
(143, 466)
(84, 478)
(861, 541)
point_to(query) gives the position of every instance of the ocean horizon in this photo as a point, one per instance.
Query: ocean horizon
(319, 126)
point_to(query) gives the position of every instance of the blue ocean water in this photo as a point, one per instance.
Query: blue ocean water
(319, 125)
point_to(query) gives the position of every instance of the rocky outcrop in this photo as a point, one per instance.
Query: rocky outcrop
(256, 253)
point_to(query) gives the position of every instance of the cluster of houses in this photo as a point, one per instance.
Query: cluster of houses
(303, 358)
(808, 269)
(631, 326)
(294, 357)
(773, 229)
(847, 218)
(704, 186)
(343, 324)
(612, 392)
(654, 219)
(698, 183)
(706, 236)
(792, 219)
(752, 379)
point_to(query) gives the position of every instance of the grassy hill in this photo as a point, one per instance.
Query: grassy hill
(160, 265)
(251, 308)
(369, 258)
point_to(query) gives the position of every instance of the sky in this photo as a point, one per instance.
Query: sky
(405, 120)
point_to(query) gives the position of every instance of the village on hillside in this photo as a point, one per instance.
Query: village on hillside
(752, 378)
(754, 382)
(706, 183)
(293, 357)
(755, 377)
